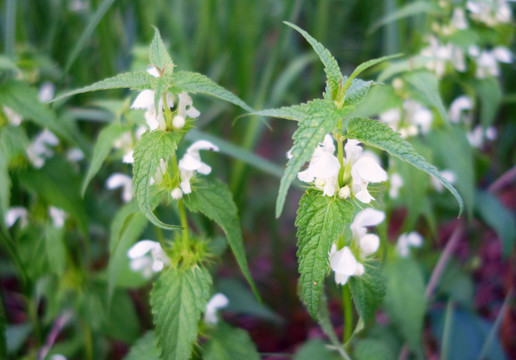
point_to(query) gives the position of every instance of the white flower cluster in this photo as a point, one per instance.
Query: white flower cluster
(414, 119)
(19, 213)
(147, 257)
(490, 12)
(359, 168)
(344, 262)
(406, 241)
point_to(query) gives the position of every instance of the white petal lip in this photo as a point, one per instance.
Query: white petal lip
(458, 105)
(368, 217)
(144, 100)
(367, 169)
(58, 216)
(502, 54)
(343, 262)
(153, 71)
(218, 301)
(117, 180)
(202, 145)
(13, 214)
(141, 248)
(369, 244)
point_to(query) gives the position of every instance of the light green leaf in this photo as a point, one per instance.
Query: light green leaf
(214, 200)
(177, 299)
(152, 147)
(134, 80)
(498, 217)
(145, 347)
(160, 86)
(426, 85)
(320, 220)
(228, 343)
(357, 92)
(192, 82)
(368, 290)
(490, 96)
(158, 54)
(315, 349)
(410, 9)
(405, 300)
(373, 349)
(321, 119)
(294, 112)
(56, 250)
(105, 141)
(374, 133)
(334, 77)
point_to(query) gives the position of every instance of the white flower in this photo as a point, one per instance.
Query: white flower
(487, 65)
(176, 194)
(406, 241)
(218, 301)
(184, 110)
(147, 263)
(458, 106)
(124, 181)
(417, 114)
(396, 184)
(476, 136)
(364, 170)
(14, 214)
(191, 163)
(344, 192)
(126, 143)
(344, 264)
(459, 21)
(46, 92)
(503, 55)
(58, 216)
(38, 151)
(13, 117)
(448, 175)
(490, 12)
(74, 155)
(323, 167)
(58, 357)
(368, 243)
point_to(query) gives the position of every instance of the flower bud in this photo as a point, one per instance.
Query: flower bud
(178, 122)
(176, 194)
(344, 192)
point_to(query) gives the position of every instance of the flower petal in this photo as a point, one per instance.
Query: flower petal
(144, 100)
(141, 248)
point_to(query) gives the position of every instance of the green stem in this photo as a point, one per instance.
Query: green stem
(184, 221)
(88, 342)
(348, 313)
(168, 113)
(340, 155)
(159, 235)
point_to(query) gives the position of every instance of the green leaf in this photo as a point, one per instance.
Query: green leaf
(315, 349)
(193, 83)
(373, 349)
(426, 85)
(410, 9)
(497, 217)
(177, 299)
(368, 290)
(294, 112)
(134, 80)
(334, 77)
(320, 220)
(374, 133)
(5, 180)
(122, 321)
(357, 92)
(214, 200)
(321, 119)
(145, 347)
(152, 147)
(228, 343)
(105, 141)
(490, 96)
(405, 300)
(323, 316)
(56, 250)
(158, 54)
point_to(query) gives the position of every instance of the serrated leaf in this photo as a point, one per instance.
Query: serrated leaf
(334, 77)
(228, 343)
(405, 300)
(294, 112)
(321, 119)
(499, 218)
(105, 141)
(357, 92)
(145, 347)
(193, 82)
(374, 133)
(177, 299)
(320, 220)
(426, 85)
(158, 54)
(139, 80)
(55, 249)
(148, 151)
(214, 200)
(368, 290)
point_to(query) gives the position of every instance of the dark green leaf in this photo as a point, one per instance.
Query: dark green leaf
(145, 348)
(315, 349)
(490, 96)
(228, 343)
(368, 290)
(177, 300)
(56, 250)
(320, 220)
(357, 92)
(373, 349)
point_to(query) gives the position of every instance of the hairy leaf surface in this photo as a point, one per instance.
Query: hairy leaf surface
(158, 54)
(368, 290)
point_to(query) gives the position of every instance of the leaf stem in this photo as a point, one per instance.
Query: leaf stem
(348, 313)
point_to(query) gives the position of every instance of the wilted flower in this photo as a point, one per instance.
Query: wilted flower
(367, 242)
(218, 301)
(14, 214)
(58, 216)
(147, 263)
(125, 182)
(38, 151)
(191, 163)
(344, 264)
(406, 241)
